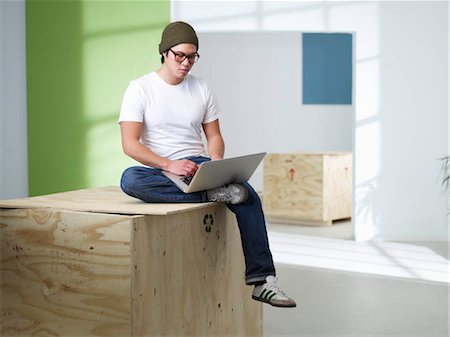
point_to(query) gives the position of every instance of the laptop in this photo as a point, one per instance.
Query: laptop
(216, 173)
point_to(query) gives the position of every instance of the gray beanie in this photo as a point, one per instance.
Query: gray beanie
(176, 33)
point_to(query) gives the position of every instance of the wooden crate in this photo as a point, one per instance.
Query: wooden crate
(308, 188)
(98, 263)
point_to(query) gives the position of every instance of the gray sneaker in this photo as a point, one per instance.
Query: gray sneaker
(232, 194)
(270, 292)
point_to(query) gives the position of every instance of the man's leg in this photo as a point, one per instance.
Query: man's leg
(150, 185)
(252, 226)
(260, 269)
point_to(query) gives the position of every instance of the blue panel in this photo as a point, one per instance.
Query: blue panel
(327, 68)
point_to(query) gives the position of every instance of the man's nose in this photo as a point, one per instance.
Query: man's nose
(186, 62)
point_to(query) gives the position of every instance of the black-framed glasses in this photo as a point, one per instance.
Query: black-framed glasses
(180, 57)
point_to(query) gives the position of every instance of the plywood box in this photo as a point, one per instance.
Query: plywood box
(98, 263)
(307, 188)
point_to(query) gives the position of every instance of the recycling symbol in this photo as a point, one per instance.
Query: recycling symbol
(208, 222)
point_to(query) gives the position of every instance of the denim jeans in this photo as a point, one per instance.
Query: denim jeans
(150, 185)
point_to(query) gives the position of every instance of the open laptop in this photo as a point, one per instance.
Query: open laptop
(216, 173)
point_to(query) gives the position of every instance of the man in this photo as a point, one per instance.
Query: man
(162, 118)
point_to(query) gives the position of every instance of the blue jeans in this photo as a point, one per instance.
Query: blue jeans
(150, 185)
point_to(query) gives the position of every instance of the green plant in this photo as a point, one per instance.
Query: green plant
(446, 171)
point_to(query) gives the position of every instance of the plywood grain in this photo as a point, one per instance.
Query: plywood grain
(188, 277)
(338, 187)
(293, 187)
(307, 188)
(64, 272)
(67, 273)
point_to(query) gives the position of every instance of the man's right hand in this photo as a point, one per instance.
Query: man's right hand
(182, 167)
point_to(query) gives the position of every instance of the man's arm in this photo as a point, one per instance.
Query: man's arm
(216, 146)
(132, 147)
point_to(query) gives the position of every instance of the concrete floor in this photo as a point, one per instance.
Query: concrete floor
(347, 288)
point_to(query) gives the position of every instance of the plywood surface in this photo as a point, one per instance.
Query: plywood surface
(64, 274)
(338, 187)
(307, 187)
(293, 186)
(188, 277)
(73, 274)
(100, 200)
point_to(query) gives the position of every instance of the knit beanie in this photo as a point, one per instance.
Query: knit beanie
(176, 33)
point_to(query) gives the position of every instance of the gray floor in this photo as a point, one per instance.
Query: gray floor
(345, 288)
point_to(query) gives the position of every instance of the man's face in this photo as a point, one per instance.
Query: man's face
(176, 67)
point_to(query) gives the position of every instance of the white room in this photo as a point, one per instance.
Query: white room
(396, 129)
(384, 270)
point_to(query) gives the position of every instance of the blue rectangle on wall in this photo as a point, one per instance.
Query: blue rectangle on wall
(327, 68)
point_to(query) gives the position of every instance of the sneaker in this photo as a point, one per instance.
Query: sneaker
(270, 292)
(232, 194)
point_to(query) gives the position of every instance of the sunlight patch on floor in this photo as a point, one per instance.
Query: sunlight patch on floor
(402, 260)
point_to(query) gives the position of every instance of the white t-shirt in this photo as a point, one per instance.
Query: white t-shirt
(172, 115)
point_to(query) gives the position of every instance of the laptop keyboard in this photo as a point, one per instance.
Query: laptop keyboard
(187, 179)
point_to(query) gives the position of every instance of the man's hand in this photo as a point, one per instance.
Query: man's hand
(182, 167)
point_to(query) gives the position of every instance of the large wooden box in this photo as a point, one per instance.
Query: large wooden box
(308, 188)
(98, 263)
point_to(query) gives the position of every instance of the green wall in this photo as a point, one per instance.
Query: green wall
(80, 57)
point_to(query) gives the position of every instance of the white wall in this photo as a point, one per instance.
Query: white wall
(409, 129)
(401, 113)
(13, 113)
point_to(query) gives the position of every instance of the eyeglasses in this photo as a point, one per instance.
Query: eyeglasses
(180, 57)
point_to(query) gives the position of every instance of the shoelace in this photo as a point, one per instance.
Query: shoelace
(275, 287)
(222, 191)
